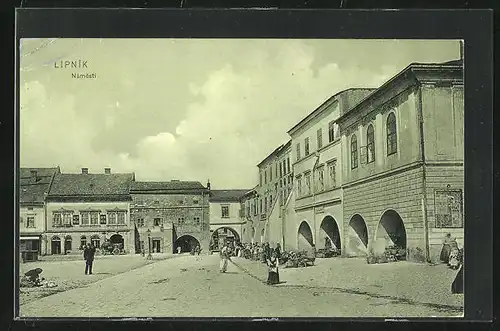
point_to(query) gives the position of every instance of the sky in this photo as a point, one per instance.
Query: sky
(189, 109)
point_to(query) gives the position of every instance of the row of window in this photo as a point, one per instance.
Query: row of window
(320, 183)
(319, 140)
(368, 154)
(68, 219)
(159, 221)
(262, 205)
(157, 202)
(284, 169)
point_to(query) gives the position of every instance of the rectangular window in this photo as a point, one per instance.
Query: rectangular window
(180, 220)
(306, 146)
(332, 174)
(195, 202)
(156, 202)
(320, 138)
(94, 217)
(139, 202)
(30, 208)
(299, 186)
(67, 219)
(76, 219)
(288, 165)
(57, 219)
(308, 184)
(298, 152)
(321, 179)
(225, 211)
(197, 220)
(140, 222)
(85, 218)
(265, 204)
(260, 206)
(448, 206)
(157, 221)
(281, 169)
(121, 218)
(30, 222)
(181, 202)
(102, 219)
(260, 179)
(112, 218)
(271, 173)
(331, 131)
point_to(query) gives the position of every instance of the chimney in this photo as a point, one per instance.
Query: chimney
(107, 171)
(208, 184)
(85, 171)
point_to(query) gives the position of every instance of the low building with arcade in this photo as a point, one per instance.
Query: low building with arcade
(88, 208)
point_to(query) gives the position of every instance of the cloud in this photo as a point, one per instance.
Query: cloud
(217, 126)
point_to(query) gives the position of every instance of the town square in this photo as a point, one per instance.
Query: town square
(284, 183)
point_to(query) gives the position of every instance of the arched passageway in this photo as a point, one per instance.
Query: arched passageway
(391, 231)
(305, 236)
(357, 234)
(116, 239)
(186, 243)
(330, 232)
(224, 234)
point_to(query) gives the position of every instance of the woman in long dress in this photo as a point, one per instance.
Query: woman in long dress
(272, 265)
(446, 250)
(224, 255)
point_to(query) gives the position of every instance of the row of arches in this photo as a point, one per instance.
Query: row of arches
(65, 245)
(390, 231)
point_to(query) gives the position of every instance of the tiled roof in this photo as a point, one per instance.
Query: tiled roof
(227, 195)
(33, 190)
(91, 185)
(166, 186)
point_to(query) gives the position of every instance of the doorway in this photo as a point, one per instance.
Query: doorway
(156, 243)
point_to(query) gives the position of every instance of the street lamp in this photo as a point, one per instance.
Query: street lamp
(150, 257)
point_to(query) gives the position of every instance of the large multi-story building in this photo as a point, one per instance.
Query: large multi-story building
(83, 208)
(227, 215)
(167, 215)
(403, 153)
(34, 186)
(315, 215)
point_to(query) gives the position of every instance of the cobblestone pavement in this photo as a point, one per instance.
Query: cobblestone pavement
(192, 286)
(68, 273)
(416, 284)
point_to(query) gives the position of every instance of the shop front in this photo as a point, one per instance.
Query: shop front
(29, 247)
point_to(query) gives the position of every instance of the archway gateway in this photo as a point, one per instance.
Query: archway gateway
(186, 243)
(223, 234)
(305, 237)
(331, 233)
(391, 230)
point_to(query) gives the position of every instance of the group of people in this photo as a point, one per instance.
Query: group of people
(452, 255)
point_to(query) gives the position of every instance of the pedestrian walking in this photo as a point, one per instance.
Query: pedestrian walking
(278, 251)
(178, 249)
(224, 258)
(272, 266)
(88, 256)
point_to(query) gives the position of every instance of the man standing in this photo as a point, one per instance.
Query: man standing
(88, 256)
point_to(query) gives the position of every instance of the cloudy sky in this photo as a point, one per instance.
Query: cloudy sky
(189, 109)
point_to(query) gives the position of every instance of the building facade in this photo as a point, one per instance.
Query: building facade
(316, 149)
(403, 175)
(227, 216)
(167, 215)
(34, 186)
(88, 208)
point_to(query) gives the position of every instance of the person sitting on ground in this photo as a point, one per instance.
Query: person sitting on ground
(33, 275)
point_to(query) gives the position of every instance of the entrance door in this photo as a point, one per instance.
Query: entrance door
(156, 245)
(56, 247)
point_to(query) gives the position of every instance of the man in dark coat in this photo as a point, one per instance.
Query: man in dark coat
(88, 256)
